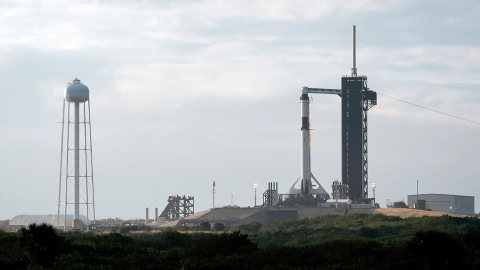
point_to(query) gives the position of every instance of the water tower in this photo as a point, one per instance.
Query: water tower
(76, 170)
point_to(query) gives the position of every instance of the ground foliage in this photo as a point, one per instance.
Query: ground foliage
(40, 244)
(356, 242)
(218, 226)
(132, 228)
(378, 227)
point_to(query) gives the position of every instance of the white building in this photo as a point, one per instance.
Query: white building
(454, 204)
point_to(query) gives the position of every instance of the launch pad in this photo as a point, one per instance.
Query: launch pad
(356, 100)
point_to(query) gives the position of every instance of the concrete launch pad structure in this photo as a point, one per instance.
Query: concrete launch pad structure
(232, 217)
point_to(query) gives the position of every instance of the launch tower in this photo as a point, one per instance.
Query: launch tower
(357, 99)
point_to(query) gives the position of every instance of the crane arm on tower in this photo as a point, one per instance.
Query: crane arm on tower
(324, 91)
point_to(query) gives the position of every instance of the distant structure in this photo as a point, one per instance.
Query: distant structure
(356, 100)
(22, 220)
(178, 207)
(339, 191)
(446, 203)
(51, 219)
(270, 196)
(76, 192)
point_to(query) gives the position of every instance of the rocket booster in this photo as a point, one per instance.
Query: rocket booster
(306, 172)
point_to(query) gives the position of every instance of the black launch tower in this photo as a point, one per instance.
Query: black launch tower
(357, 99)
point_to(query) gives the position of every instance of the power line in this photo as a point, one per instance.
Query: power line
(425, 47)
(430, 109)
(450, 115)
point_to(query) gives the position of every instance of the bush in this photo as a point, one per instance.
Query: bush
(252, 227)
(162, 240)
(129, 229)
(368, 232)
(472, 238)
(219, 226)
(40, 244)
(224, 244)
(434, 250)
(204, 226)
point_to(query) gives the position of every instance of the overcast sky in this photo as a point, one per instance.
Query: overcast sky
(184, 93)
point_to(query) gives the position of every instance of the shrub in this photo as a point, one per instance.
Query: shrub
(129, 229)
(368, 232)
(434, 250)
(224, 244)
(472, 238)
(40, 244)
(162, 240)
(204, 226)
(252, 227)
(219, 226)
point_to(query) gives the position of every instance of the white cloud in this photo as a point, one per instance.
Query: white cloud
(302, 10)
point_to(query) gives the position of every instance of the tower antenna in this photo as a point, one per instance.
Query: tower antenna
(354, 69)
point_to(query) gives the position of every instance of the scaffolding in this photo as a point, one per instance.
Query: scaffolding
(178, 207)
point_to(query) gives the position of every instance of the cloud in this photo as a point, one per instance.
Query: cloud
(302, 10)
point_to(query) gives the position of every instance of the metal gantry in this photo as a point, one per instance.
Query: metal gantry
(179, 207)
(270, 196)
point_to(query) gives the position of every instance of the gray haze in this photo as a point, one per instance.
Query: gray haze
(186, 93)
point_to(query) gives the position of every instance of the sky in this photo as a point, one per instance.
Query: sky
(184, 93)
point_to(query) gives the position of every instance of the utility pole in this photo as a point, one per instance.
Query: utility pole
(213, 195)
(373, 189)
(255, 187)
(232, 200)
(417, 195)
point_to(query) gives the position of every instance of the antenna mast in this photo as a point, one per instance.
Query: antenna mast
(354, 69)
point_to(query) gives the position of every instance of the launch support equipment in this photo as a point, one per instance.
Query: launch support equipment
(179, 207)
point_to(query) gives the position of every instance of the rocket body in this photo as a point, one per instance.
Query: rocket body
(306, 170)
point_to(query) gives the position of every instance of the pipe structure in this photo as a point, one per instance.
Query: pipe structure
(76, 213)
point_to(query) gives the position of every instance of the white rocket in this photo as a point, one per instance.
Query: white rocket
(306, 175)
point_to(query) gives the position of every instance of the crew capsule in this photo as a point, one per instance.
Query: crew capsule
(76, 92)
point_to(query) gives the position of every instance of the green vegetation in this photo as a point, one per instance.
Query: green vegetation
(218, 227)
(129, 229)
(40, 244)
(329, 242)
(204, 226)
(376, 227)
(252, 227)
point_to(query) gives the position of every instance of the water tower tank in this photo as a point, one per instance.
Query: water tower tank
(76, 92)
